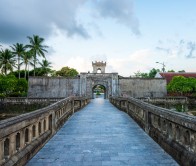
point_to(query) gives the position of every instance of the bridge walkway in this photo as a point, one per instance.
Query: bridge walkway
(100, 134)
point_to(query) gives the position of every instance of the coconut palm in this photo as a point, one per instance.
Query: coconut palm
(7, 61)
(27, 60)
(45, 66)
(18, 49)
(37, 47)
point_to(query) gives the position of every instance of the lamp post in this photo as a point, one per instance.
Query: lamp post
(163, 66)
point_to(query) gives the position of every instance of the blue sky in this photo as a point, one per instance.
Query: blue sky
(131, 35)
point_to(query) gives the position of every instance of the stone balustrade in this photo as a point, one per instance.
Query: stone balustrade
(22, 136)
(163, 100)
(175, 132)
(23, 100)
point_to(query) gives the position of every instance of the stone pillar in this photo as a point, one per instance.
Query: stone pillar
(147, 121)
(12, 144)
(47, 124)
(30, 133)
(36, 130)
(72, 103)
(1, 151)
(22, 139)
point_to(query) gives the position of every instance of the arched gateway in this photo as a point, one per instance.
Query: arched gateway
(108, 80)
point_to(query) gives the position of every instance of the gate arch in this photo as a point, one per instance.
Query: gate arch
(104, 88)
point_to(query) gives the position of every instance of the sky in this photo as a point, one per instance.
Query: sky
(130, 35)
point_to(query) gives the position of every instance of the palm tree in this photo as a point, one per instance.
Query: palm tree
(27, 60)
(37, 48)
(18, 49)
(45, 66)
(7, 61)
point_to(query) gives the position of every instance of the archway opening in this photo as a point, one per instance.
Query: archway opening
(98, 70)
(99, 91)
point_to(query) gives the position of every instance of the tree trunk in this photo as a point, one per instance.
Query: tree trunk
(34, 67)
(25, 71)
(19, 66)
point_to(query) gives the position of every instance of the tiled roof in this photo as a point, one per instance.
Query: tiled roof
(169, 75)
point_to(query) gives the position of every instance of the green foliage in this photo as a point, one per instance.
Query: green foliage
(98, 93)
(11, 86)
(7, 61)
(67, 72)
(22, 85)
(16, 73)
(181, 71)
(182, 85)
(171, 71)
(46, 67)
(7, 84)
(37, 48)
(151, 73)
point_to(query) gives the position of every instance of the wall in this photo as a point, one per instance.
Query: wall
(53, 87)
(175, 132)
(44, 87)
(138, 87)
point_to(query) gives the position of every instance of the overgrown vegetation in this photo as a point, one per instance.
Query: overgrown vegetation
(10, 86)
(182, 86)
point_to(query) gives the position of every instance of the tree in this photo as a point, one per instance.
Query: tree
(45, 66)
(18, 49)
(141, 75)
(37, 48)
(11, 86)
(181, 71)
(153, 72)
(27, 60)
(7, 84)
(67, 72)
(171, 71)
(7, 61)
(182, 85)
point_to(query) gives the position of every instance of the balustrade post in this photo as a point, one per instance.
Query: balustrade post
(30, 133)
(127, 106)
(22, 139)
(147, 121)
(36, 130)
(12, 144)
(72, 105)
(47, 124)
(1, 151)
(54, 120)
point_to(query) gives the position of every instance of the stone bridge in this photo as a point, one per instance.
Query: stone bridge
(99, 134)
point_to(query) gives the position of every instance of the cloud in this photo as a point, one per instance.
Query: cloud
(191, 46)
(121, 11)
(167, 50)
(21, 18)
(178, 48)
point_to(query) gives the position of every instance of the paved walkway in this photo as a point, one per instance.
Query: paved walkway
(100, 134)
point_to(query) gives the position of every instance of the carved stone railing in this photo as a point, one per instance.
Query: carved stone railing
(174, 131)
(161, 100)
(22, 136)
(15, 100)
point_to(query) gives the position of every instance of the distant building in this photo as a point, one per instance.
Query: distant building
(169, 75)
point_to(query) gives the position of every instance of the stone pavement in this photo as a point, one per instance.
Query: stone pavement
(99, 135)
